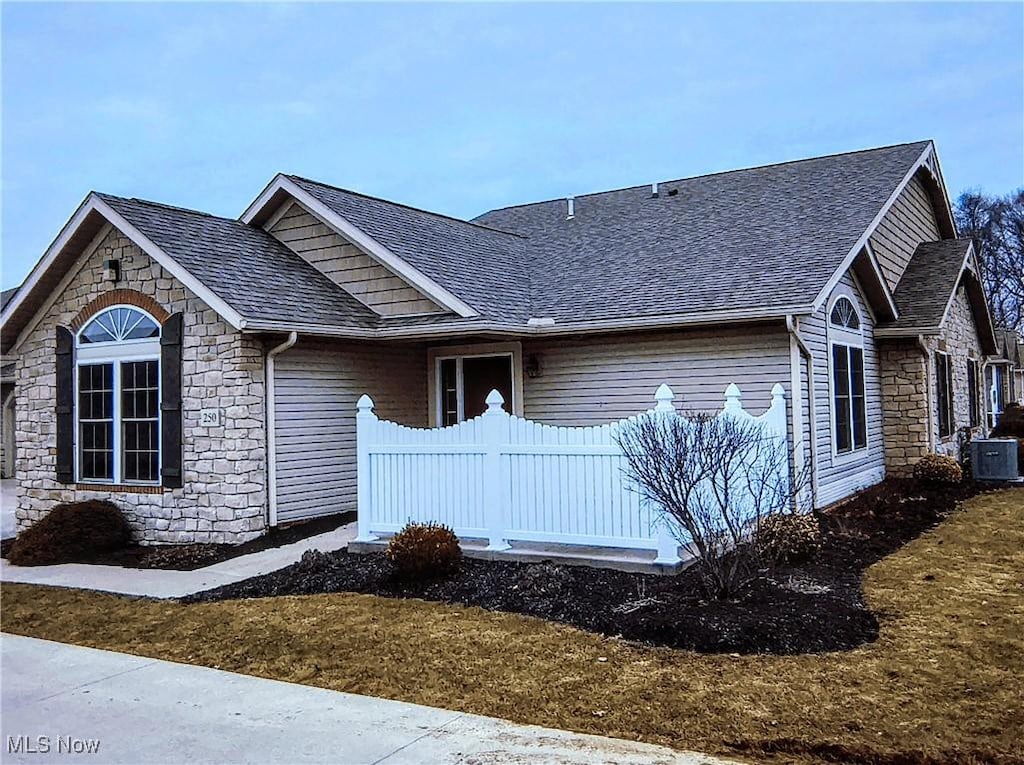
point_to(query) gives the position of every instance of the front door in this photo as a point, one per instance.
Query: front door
(467, 380)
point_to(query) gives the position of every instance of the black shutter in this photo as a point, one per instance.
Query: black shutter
(170, 400)
(65, 405)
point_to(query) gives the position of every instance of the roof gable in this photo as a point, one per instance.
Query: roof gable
(929, 285)
(238, 270)
(396, 236)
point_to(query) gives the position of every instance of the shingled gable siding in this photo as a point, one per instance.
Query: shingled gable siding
(910, 221)
(224, 494)
(592, 380)
(348, 267)
(316, 386)
(959, 339)
(839, 477)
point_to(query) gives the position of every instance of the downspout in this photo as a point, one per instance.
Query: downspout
(272, 428)
(928, 390)
(792, 324)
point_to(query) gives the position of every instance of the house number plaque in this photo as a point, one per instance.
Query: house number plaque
(209, 418)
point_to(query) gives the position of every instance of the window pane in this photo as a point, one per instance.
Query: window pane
(860, 427)
(119, 324)
(943, 397)
(841, 397)
(96, 421)
(449, 393)
(140, 429)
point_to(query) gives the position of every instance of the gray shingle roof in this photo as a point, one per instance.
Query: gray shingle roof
(243, 265)
(763, 237)
(5, 297)
(482, 266)
(931, 277)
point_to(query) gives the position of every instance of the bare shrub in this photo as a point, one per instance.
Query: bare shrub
(424, 550)
(789, 538)
(938, 469)
(716, 477)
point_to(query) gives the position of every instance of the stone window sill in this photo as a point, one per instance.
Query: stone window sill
(120, 488)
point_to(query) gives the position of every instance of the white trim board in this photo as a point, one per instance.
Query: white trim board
(360, 239)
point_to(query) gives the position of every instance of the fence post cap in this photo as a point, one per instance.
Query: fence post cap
(494, 401)
(664, 396)
(778, 390)
(364, 404)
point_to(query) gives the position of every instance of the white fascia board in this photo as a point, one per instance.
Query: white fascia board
(362, 240)
(859, 245)
(229, 314)
(62, 285)
(506, 328)
(68, 230)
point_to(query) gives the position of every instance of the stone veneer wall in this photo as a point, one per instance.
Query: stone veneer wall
(910, 394)
(960, 340)
(224, 495)
(905, 411)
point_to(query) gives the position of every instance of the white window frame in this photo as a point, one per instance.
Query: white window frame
(435, 356)
(115, 353)
(850, 339)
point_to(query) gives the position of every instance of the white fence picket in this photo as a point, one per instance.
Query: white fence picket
(504, 478)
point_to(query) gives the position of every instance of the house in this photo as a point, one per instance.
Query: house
(1004, 381)
(203, 372)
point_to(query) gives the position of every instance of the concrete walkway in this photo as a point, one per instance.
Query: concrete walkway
(8, 504)
(155, 583)
(138, 710)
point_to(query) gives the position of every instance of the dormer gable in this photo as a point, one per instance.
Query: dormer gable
(344, 263)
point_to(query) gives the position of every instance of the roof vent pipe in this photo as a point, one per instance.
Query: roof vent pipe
(570, 212)
(654, 189)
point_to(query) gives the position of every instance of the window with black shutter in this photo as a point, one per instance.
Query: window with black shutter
(117, 396)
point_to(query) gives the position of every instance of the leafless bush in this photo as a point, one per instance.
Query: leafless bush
(717, 478)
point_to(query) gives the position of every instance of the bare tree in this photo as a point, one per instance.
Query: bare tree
(996, 224)
(717, 478)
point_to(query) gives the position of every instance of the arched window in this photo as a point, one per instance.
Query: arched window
(844, 315)
(118, 324)
(117, 401)
(846, 357)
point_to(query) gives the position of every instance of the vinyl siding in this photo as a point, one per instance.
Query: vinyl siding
(841, 476)
(347, 266)
(587, 381)
(910, 221)
(316, 388)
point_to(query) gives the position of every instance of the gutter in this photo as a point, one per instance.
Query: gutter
(792, 324)
(471, 327)
(272, 427)
(932, 444)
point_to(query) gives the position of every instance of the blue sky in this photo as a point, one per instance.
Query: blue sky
(461, 108)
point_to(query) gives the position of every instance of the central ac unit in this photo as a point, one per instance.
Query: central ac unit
(994, 459)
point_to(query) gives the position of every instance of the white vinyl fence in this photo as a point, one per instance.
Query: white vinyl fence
(503, 478)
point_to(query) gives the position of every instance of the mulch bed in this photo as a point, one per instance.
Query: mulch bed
(192, 556)
(813, 607)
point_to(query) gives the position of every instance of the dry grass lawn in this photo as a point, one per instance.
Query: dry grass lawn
(942, 684)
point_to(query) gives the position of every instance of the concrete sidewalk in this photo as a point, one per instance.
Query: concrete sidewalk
(156, 583)
(8, 504)
(138, 710)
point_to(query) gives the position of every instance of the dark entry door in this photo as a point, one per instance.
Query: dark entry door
(480, 376)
